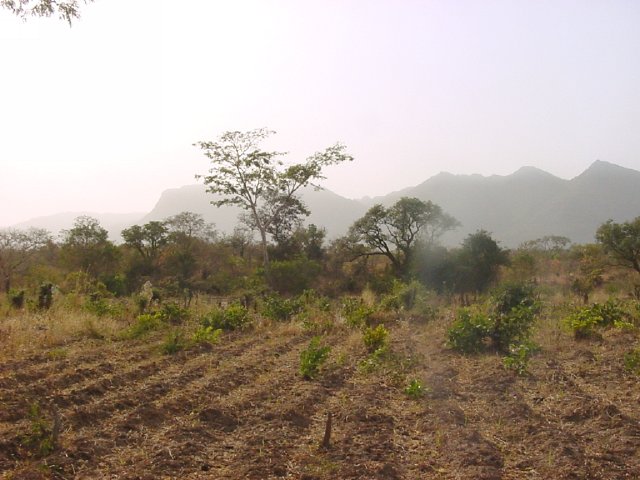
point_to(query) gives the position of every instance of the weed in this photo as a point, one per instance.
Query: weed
(280, 309)
(207, 335)
(415, 389)
(43, 435)
(57, 354)
(233, 317)
(173, 313)
(173, 343)
(356, 312)
(584, 321)
(632, 361)
(375, 338)
(374, 359)
(519, 355)
(312, 358)
(145, 323)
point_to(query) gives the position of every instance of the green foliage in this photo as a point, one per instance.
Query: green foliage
(102, 307)
(519, 355)
(312, 358)
(375, 338)
(469, 331)
(42, 436)
(356, 313)
(415, 389)
(375, 359)
(16, 298)
(173, 313)
(585, 320)
(293, 276)
(622, 242)
(233, 317)
(509, 322)
(173, 343)
(207, 335)
(145, 323)
(632, 361)
(275, 307)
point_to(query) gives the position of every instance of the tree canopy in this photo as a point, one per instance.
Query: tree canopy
(259, 182)
(395, 232)
(622, 242)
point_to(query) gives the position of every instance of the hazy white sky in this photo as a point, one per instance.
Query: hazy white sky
(102, 116)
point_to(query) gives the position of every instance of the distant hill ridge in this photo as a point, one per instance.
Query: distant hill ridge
(525, 205)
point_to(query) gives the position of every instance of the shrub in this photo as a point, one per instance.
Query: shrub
(173, 343)
(173, 313)
(233, 317)
(469, 331)
(414, 389)
(375, 338)
(585, 320)
(278, 308)
(207, 335)
(513, 327)
(518, 357)
(356, 313)
(312, 358)
(145, 323)
(513, 295)
(632, 361)
(16, 298)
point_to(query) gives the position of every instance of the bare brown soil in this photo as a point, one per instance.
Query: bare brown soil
(240, 409)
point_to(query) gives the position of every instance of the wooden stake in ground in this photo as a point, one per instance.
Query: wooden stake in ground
(326, 441)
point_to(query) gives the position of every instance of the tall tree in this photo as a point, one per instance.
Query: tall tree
(148, 239)
(86, 247)
(17, 247)
(395, 232)
(258, 181)
(622, 242)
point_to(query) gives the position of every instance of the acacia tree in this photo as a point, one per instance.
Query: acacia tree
(67, 10)
(17, 247)
(622, 242)
(86, 247)
(148, 239)
(396, 231)
(258, 181)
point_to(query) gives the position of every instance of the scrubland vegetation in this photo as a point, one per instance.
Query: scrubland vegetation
(184, 353)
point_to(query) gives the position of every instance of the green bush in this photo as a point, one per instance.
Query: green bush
(16, 298)
(279, 308)
(173, 313)
(513, 296)
(469, 331)
(585, 320)
(207, 335)
(356, 313)
(312, 358)
(375, 338)
(513, 327)
(519, 355)
(173, 343)
(233, 317)
(145, 323)
(42, 436)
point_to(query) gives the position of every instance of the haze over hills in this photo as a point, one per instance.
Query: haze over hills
(525, 205)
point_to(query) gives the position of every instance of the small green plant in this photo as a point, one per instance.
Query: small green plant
(173, 343)
(518, 357)
(356, 313)
(16, 298)
(375, 338)
(43, 434)
(585, 320)
(280, 309)
(375, 359)
(233, 317)
(469, 331)
(207, 335)
(632, 361)
(312, 358)
(147, 322)
(415, 389)
(173, 313)
(57, 354)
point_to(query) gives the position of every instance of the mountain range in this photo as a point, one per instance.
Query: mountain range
(525, 205)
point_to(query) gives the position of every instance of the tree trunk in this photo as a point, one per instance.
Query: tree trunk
(265, 256)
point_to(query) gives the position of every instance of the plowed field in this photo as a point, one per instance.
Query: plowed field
(240, 409)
